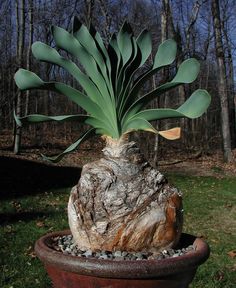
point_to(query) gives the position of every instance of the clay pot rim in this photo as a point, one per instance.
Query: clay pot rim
(126, 269)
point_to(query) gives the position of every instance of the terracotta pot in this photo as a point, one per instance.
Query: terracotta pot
(68, 271)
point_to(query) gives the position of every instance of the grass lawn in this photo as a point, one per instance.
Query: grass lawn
(210, 212)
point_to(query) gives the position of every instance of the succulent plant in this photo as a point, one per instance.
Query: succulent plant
(120, 202)
(110, 83)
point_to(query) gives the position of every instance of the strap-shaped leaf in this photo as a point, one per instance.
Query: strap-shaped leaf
(124, 42)
(125, 74)
(169, 48)
(69, 43)
(72, 147)
(88, 105)
(45, 53)
(139, 124)
(166, 54)
(142, 124)
(37, 118)
(187, 73)
(27, 80)
(194, 107)
(102, 49)
(48, 54)
(144, 42)
(116, 60)
(83, 35)
(87, 41)
(128, 76)
(102, 126)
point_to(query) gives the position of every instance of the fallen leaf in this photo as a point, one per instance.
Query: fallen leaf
(232, 253)
(40, 224)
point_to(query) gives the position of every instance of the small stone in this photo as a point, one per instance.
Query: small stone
(103, 256)
(67, 246)
(117, 254)
(139, 255)
(97, 254)
(119, 258)
(88, 254)
(124, 254)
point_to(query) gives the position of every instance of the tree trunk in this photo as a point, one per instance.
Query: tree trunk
(122, 203)
(222, 87)
(28, 61)
(20, 8)
(230, 81)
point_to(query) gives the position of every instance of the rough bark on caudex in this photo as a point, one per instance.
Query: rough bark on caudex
(122, 203)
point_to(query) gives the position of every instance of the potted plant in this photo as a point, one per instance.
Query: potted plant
(121, 203)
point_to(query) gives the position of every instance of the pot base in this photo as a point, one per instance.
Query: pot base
(65, 279)
(68, 271)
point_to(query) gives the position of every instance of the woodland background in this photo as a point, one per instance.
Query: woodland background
(205, 30)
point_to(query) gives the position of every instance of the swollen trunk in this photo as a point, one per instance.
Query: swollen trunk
(122, 203)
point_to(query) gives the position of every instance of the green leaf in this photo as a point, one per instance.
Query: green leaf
(72, 147)
(187, 71)
(166, 54)
(102, 126)
(196, 104)
(115, 58)
(103, 50)
(144, 42)
(27, 80)
(83, 35)
(88, 42)
(194, 107)
(74, 95)
(88, 105)
(37, 118)
(139, 124)
(124, 42)
(125, 73)
(44, 52)
(67, 42)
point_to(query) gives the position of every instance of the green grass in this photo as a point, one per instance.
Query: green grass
(210, 211)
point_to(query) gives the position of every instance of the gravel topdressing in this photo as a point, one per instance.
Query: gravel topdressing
(66, 245)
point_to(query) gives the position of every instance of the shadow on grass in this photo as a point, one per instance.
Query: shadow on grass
(23, 177)
(10, 218)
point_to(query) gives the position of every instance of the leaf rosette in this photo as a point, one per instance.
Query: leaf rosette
(111, 89)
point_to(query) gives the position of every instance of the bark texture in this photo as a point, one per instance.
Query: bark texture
(122, 203)
(222, 87)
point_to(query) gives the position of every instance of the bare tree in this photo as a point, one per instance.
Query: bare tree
(20, 9)
(222, 87)
(28, 53)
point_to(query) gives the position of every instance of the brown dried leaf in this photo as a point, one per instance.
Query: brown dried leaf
(40, 224)
(171, 134)
(232, 253)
